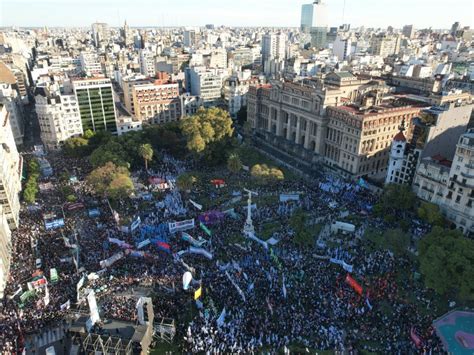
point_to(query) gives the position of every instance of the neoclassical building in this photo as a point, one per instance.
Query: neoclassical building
(340, 120)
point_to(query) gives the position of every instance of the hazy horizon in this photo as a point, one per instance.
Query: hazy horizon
(245, 13)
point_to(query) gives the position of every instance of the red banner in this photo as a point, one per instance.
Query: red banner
(353, 283)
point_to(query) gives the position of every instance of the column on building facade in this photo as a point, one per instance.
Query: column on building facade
(307, 133)
(288, 126)
(279, 128)
(298, 130)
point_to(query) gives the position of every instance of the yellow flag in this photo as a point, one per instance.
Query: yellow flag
(198, 293)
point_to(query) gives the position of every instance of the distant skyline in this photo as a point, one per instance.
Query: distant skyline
(265, 13)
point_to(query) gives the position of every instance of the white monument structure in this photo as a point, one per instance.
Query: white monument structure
(249, 230)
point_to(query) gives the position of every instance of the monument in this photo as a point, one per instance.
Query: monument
(249, 230)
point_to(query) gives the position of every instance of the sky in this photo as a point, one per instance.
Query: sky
(279, 13)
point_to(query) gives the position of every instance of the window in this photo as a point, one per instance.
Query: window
(458, 198)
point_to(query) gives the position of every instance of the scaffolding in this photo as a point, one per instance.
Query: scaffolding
(103, 344)
(164, 329)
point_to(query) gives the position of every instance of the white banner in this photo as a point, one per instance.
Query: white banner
(46, 296)
(181, 226)
(195, 204)
(94, 310)
(135, 224)
(143, 243)
(201, 251)
(108, 262)
(139, 308)
(66, 306)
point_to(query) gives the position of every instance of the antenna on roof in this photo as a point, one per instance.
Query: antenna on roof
(343, 11)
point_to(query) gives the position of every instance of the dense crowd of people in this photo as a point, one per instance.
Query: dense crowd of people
(253, 297)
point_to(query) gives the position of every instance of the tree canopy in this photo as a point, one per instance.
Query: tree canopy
(111, 180)
(266, 174)
(186, 181)
(76, 146)
(112, 151)
(396, 199)
(234, 164)
(205, 127)
(430, 213)
(146, 152)
(31, 189)
(447, 263)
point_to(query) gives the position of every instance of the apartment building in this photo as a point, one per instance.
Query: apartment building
(450, 185)
(11, 165)
(58, 116)
(5, 251)
(157, 101)
(90, 64)
(206, 83)
(385, 45)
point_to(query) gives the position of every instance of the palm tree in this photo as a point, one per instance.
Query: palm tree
(234, 164)
(146, 152)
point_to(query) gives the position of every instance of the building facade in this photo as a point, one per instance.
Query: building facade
(5, 251)
(11, 165)
(157, 101)
(58, 117)
(452, 189)
(95, 99)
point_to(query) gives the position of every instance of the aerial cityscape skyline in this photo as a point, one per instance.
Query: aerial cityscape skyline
(283, 13)
(236, 177)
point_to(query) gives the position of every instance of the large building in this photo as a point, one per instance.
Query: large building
(314, 21)
(273, 47)
(5, 251)
(147, 63)
(359, 137)
(157, 101)
(206, 83)
(100, 33)
(90, 64)
(306, 17)
(95, 98)
(341, 121)
(192, 37)
(408, 31)
(342, 47)
(450, 185)
(11, 165)
(58, 116)
(385, 45)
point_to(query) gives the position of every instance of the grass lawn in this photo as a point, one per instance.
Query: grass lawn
(268, 229)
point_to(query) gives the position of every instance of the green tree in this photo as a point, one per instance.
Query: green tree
(430, 213)
(113, 152)
(186, 181)
(205, 127)
(395, 198)
(396, 241)
(88, 134)
(265, 174)
(120, 187)
(146, 152)
(234, 164)
(29, 194)
(102, 177)
(75, 147)
(447, 263)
